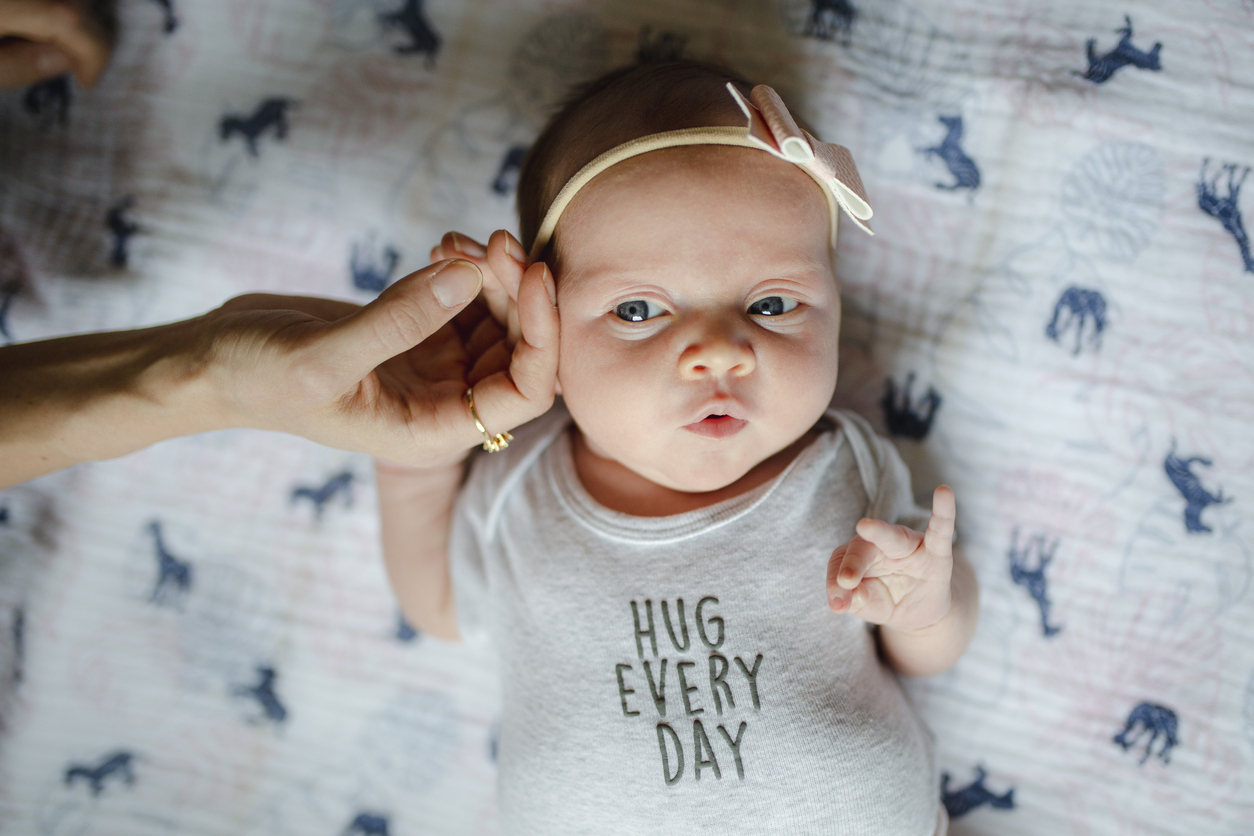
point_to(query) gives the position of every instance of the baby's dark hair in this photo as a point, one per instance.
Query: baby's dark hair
(622, 105)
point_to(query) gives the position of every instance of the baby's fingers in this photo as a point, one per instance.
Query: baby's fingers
(846, 568)
(895, 541)
(505, 400)
(939, 537)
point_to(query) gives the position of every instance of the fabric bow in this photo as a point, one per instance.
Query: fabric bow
(772, 128)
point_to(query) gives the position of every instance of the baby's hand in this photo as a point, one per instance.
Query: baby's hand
(502, 263)
(893, 575)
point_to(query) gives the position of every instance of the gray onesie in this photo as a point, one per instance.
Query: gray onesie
(683, 674)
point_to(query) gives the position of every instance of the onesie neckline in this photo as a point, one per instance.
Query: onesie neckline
(559, 469)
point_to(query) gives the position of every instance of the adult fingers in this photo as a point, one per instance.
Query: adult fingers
(68, 26)
(895, 541)
(403, 315)
(505, 400)
(23, 63)
(939, 537)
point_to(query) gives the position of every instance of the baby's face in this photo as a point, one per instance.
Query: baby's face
(699, 313)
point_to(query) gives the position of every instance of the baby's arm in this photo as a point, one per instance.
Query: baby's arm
(416, 512)
(921, 592)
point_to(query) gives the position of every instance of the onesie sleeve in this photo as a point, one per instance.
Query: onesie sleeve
(884, 475)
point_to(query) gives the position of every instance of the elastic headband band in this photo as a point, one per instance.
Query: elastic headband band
(770, 128)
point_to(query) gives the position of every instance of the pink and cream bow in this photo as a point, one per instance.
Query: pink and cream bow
(771, 128)
(774, 130)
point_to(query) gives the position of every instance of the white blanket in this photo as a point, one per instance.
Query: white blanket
(1056, 317)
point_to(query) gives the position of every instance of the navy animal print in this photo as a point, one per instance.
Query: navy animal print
(263, 693)
(423, 39)
(1078, 306)
(963, 800)
(271, 114)
(341, 483)
(4, 515)
(174, 576)
(114, 766)
(121, 228)
(905, 418)
(171, 20)
(666, 46)
(19, 642)
(1196, 497)
(50, 100)
(506, 180)
(1154, 720)
(966, 173)
(1102, 67)
(368, 824)
(369, 275)
(404, 630)
(1027, 569)
(1225, 209)
(831, 19)
(494, 740)
(8, 293)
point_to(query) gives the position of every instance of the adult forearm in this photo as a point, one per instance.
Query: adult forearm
(935, 649)
(99, 396)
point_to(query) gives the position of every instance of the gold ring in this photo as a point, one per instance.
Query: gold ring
(492, 443)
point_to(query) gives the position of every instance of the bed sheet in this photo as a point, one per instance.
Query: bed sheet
(1056, 317)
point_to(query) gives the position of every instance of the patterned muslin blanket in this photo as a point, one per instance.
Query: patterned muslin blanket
(1056, 317)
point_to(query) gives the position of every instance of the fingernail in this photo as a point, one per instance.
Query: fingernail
(549, 286)
(457, 283)
(514, 250)
(469, 246)
(52, 61)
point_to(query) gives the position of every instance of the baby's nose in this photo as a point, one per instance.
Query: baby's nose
(716, 354)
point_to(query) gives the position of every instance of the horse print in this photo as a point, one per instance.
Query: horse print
(1197, 498)
(340, 484)
(263, 692)
(966, 173)
(963, 800)
(115, 766)
(270, 115)
(1225, 209)
(423, 39)
(1102, 67)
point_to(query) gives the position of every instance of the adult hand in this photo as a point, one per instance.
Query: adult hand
(503, 263)
(389, 378)
(386, 379)
(41, 39)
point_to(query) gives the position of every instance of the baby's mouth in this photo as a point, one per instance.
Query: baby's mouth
(717, 426)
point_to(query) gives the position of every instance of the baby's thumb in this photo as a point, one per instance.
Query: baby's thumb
(404, 315)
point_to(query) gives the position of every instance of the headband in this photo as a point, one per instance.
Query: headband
(770, 127)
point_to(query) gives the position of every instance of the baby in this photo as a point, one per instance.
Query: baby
(649, 560)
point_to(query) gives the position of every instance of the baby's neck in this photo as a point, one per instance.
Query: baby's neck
(621, 489)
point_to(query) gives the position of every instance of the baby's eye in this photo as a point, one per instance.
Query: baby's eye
(638, 310)
(772, 306)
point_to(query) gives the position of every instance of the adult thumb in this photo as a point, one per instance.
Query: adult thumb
(404, 315)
